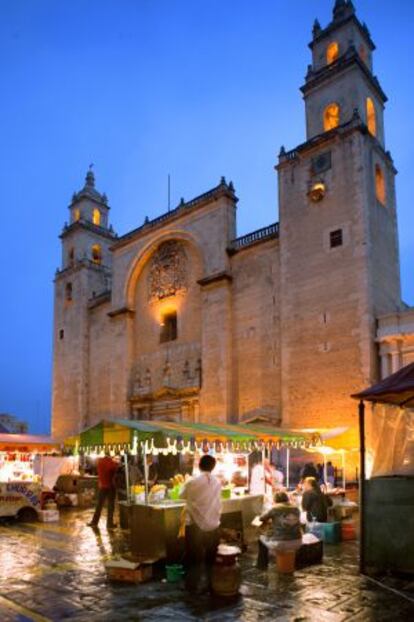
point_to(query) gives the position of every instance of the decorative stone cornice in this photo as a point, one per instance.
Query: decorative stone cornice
(219, 277)
(271, 232)
(224, 189)
(99, 300)
(78, 265)
(121, 311)
(354, 125)
(85, 224)
(347, 60)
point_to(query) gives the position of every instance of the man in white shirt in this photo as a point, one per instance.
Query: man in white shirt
(203, 497)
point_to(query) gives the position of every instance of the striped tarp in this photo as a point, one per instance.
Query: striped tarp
(122, 431)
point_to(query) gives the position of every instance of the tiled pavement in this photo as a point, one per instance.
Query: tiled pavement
(56, 572)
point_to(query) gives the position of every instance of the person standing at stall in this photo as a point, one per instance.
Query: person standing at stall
(107, 468)
(203, 508)
(314, 502)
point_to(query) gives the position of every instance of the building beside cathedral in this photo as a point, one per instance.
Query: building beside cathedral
(181, 319)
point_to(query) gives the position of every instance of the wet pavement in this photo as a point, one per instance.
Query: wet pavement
(55, 571)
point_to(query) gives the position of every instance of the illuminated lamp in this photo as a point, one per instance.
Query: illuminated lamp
(317, 192)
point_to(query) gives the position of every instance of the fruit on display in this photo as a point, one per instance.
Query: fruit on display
(158, 488)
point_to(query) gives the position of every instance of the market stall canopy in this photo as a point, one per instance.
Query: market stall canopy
(397, 389)
(27, 443)
(391, 437)
(122, 431)
(339, 439)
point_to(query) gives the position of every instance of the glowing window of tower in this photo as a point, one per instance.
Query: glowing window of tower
(371, 117)
(332, 52)
(331, 116)
(97, 254)
(76, 214)
(96, 217)
(380, 190)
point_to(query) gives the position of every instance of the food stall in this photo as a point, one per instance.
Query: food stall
(21, 488)
(386, 419)
(155, 517)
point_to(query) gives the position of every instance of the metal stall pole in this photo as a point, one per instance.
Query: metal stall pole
(287, 467)
(343, 470)
(361, 414)
(264, 472)
(325, 472)
(145, 474)
(126, 476)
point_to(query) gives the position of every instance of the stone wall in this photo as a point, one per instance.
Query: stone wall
(256, 330)
(327, 321)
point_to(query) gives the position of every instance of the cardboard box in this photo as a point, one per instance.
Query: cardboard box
(128, 572)
(48, 516)
(86, 498)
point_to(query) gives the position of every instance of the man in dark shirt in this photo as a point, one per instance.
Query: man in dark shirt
(107, 468)
(314, 502)
(309, 470)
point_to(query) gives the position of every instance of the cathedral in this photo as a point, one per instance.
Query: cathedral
(180, 319)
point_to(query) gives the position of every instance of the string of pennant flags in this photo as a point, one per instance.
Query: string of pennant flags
(178, 446)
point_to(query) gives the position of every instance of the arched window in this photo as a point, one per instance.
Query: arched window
(68, 291)
(76, 214)
(168, 327)
(71, 256)
(371, 117)
(96, 217)
(331, 116)
(97, 254)
(380, 190)
(332, 52)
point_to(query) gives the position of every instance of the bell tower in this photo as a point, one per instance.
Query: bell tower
(340, 79)
(339, 258)
(84, 276)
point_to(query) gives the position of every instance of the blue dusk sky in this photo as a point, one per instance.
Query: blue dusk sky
(143, 88)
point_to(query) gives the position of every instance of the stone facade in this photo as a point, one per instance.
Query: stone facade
(180, 319)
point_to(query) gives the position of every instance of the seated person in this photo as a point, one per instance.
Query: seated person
(314, 502)
(286, 531)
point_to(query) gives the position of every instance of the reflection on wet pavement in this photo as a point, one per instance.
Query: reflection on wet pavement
(56, 572)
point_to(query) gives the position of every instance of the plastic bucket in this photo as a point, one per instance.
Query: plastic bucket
(285, 561)
(348, 531)
(174, 573)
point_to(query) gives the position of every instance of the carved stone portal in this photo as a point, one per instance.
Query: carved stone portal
(168, 271)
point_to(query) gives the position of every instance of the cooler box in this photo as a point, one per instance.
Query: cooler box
(332, 533)
(309, 554)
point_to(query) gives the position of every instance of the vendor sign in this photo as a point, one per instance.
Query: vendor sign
(15, 496)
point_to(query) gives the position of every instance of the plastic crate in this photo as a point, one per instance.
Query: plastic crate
(309, 554)
(332, 533)
(348, 531)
